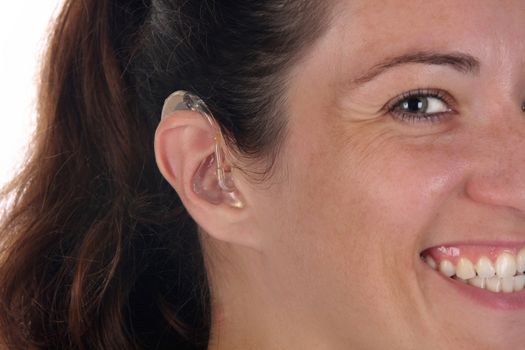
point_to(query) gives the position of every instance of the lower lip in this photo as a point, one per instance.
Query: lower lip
(499, 301)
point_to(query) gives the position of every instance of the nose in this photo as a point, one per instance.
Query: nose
(498, 164)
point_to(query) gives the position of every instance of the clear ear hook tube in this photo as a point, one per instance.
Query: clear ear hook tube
(184, 100)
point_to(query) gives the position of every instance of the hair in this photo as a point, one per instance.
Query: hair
(97, 250)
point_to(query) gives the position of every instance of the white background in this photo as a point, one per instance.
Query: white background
(23, 29)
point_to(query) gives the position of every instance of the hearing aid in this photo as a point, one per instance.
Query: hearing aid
(220, 187)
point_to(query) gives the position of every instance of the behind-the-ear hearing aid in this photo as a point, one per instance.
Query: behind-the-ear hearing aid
(219, 188)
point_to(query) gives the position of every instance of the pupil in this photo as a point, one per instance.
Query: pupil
(415, 104)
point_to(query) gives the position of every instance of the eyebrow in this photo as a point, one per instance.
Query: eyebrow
(461, 62)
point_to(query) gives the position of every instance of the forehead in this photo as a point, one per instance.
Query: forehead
(386, 15)
(376, 27)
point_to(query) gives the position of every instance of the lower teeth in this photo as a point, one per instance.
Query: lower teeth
(496, 284)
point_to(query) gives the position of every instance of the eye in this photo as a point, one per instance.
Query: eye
(423, 104)
(420, 106)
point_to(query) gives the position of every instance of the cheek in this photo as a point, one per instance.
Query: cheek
(402, 191)
(357, 210)
(346, 223)
(408, 186)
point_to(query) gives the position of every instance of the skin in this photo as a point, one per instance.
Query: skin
(325, 254)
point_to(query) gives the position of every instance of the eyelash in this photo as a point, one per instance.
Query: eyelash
(393, 106)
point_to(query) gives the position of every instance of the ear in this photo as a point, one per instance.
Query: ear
(185, 153)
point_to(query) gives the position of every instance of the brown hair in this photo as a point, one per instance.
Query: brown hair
(97, 250)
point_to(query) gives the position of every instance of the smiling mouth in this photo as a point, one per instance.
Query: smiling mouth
(497, 269)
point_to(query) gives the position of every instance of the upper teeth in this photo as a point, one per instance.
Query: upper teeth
(506, 275)
(484, 267)
(465, 269)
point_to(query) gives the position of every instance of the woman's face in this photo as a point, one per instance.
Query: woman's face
(406, 133)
